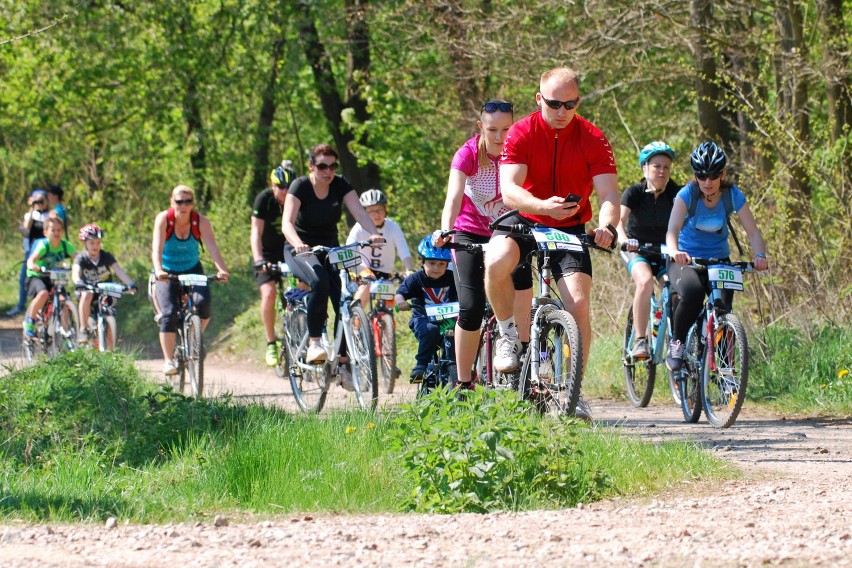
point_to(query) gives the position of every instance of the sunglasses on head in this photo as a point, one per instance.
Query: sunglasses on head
(704, 177)
(323, 167)
(494, 106)
(184, 201)
(39, 202)
(555, 104)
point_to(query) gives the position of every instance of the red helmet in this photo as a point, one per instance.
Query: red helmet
(91, 231)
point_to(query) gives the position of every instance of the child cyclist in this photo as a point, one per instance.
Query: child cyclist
(435, 285)
(379, 261)
(91, 266)
(48, 252)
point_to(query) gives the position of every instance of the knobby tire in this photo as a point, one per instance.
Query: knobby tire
(639, 374)
(195, 356)
(724, 387)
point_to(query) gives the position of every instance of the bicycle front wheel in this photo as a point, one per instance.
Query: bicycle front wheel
(690, 379)
(195, 356)
(309, 389)
(556, 389)
(106, 333)
(726, 374)
(362, 358)
(387, 367)
(64, 329)
(639, 374)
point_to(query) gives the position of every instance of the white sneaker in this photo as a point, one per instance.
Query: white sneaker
(316, 353)
(583, 411)
(506, 358)
(170, 369)
(346, 377)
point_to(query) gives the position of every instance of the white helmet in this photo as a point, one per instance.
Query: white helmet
(373, 197)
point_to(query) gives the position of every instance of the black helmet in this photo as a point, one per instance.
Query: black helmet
(708, 159)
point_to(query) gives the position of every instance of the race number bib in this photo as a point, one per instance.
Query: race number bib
(111, 289)
(438, 312)
(724, 277)
(345, 257)
(382, 289)
(59, 275)
(192, 279)
(554, 239)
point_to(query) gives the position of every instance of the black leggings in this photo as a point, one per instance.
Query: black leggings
(691, 288)
(324, 281)
(470, 280)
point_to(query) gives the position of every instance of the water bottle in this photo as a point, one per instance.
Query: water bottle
(658, 318)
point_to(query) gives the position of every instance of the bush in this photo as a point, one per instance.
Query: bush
(489, 452)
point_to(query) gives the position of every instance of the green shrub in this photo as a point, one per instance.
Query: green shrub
(489, 452)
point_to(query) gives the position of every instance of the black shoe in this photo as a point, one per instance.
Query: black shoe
(417, 374)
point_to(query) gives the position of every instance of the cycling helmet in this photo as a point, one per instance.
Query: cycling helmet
(91, 231)
(282, 176)
(428, 252)
(652, 149)
(373, 197)
(708, 159)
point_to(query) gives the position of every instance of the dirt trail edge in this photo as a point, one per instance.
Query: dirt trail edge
(791, 507)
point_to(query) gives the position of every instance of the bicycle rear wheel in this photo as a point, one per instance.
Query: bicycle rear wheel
(387, 366)
(724, 382)
(362, 358)
(106, 333)
(639, 374)
(309, 389)
(556, 390)
(195, 356)
(690, 383)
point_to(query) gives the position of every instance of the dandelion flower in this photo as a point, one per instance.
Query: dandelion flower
(842, 373)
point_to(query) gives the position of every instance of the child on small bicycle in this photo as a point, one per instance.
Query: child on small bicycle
(433, 284)
(46, 253)
(91, 266)
(379, 261)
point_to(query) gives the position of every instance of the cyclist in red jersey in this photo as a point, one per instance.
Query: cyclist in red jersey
(552, 162)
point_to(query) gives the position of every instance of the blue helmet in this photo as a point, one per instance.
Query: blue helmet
(427, 251)
(652, 149)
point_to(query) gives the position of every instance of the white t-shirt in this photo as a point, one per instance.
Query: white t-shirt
(381, 258)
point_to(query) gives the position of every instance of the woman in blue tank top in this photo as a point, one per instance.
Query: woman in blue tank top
(178, 232)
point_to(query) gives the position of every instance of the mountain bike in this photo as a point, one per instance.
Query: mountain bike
(551, 369)
(714, 374)
(56, 322)
(441, 372)
(640, 374)
(189, 345)
(311, 382)
(383, 325)
(102, 325)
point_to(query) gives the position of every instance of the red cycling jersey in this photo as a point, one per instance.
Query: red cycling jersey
(559, 162)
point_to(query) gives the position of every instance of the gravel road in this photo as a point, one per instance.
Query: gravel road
(791, 507)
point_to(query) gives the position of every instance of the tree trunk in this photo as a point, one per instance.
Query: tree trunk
(362, 178)
(264, 123)
(195, 138)
(706, 83)
(838, 78)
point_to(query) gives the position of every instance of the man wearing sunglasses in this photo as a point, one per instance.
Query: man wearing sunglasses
(552, 162)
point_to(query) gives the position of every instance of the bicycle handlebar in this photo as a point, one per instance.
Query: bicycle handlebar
(322, 248)
(703, 263)
(210, 278)
(524, 228)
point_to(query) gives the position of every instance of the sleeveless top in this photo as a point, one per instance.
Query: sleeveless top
(180, 255)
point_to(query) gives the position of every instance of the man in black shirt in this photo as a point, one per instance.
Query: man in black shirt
(267, 246)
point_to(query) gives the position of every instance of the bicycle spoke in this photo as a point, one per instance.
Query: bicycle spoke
(725, 379)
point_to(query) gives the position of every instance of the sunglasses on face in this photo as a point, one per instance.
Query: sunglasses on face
(183, 201)
(323, 167)
(705, 177)
(39, 202)
(555, 104)
(494, 106)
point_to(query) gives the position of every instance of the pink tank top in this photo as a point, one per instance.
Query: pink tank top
(482, 201)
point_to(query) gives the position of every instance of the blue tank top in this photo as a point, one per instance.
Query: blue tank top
(180, 255)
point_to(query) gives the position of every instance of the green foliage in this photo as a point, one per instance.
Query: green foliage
(490, 452)
(803, 370)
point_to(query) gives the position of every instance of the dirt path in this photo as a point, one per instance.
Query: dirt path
(792, 507)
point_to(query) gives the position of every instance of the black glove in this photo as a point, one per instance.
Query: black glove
(132, 286)
(260, 266)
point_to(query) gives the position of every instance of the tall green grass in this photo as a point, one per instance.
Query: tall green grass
(86, 438)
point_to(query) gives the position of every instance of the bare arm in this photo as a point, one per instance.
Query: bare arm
(755, 238)
(209, 241)
(292, 204)
(257, 226)
(675, 225)
(76, 276)
(122, 275)
(452, 204)
(622, 224)
(606, 186)
(157, 242)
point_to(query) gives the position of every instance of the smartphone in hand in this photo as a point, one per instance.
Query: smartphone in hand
(573, 198)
